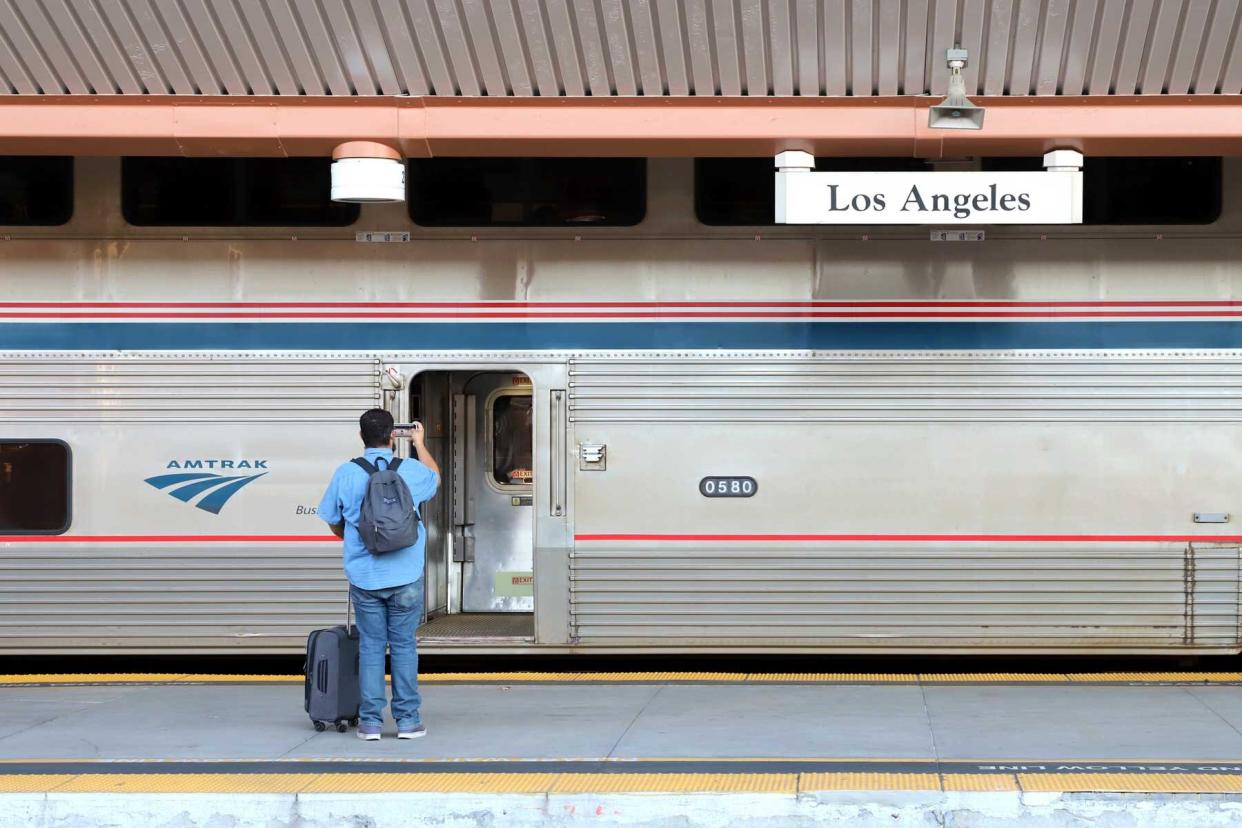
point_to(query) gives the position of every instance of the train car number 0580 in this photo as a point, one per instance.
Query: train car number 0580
(728, 487)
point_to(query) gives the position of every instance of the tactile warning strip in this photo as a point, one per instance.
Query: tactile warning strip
(605, 783)
(532, 783)
(979, 782)
(869, 782)
(532, 677)
(33, 782)
(676, 783)
(186, 783)
(1126, 783)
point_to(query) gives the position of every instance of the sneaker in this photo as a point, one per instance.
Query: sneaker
(369, 732)
(415, 732)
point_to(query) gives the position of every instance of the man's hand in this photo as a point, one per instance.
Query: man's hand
(417, 435)
(338, 529)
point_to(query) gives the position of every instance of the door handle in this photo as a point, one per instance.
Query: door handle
(557, 468)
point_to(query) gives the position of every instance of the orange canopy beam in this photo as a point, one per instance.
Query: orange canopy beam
(436, 126)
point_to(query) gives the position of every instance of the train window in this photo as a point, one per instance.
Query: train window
(527, 192)
(1141, 190)
(512, 456)
(231, 192)
(740, 191)
(36, 190)
(34, 487)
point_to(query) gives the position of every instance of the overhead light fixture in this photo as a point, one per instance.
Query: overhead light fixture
(364, 172)
(956, 111)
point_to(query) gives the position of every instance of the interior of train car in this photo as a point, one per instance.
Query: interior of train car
(480, 552)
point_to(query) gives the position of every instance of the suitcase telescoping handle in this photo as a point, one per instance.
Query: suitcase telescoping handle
(349, 594)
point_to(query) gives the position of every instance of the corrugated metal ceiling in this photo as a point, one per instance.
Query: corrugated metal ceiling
(616, 47)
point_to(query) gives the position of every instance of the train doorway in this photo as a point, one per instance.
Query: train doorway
(480, 527)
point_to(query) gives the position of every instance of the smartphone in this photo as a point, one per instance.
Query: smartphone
(405, 430)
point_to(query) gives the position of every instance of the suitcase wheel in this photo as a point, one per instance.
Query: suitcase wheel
(353, 722)
(341, 727)
(321, 726)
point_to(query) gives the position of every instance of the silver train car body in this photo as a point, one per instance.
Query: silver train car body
(951, 447)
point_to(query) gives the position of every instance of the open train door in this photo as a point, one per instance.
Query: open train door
(480, 525)
(493, 491)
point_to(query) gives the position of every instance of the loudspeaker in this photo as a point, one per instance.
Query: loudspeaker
(961, 114)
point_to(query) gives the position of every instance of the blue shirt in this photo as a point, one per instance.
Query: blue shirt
(342, 503)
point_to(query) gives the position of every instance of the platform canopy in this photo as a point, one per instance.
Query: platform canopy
(652, 57)
(616, 47)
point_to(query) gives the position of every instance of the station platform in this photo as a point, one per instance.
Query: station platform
(686, 749)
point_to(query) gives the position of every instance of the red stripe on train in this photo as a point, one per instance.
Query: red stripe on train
(646, 537)
(168, 539)
(652, 315)
(809, 303)
(915, 538)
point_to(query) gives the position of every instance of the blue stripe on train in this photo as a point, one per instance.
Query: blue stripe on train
(363, 336)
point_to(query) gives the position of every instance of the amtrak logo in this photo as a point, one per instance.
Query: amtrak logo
(212, 490)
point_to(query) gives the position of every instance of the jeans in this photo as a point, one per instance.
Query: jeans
(388, 617)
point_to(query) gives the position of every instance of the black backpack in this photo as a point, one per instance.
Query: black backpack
(389, 518)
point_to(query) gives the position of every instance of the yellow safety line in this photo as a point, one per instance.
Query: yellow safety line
(599, 783)
(979, 782)
(1196, 783)
(1147, 677)
(478, 783)
(606, 783)
(854, 781)
(1009, 765)
(646, 677)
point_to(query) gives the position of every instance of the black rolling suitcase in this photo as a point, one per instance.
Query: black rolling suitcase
(332, 693)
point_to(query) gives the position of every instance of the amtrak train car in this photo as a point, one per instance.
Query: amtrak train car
(665, 424)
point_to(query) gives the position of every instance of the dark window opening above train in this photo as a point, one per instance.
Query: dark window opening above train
(36, 190)
(231, 192)
(741, 191)
(527, 192)
(1141, 190)
(1118, 191)
(34, 487)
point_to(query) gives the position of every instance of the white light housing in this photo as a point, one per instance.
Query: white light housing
(367, 173)
(1063, 161)
(795, 161)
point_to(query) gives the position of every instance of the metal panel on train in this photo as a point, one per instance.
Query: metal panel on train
(906, 500)
(134, 424)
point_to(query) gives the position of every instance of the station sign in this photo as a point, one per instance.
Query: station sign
(940, 198)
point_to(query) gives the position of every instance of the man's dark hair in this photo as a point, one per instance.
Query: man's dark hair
(376, 428)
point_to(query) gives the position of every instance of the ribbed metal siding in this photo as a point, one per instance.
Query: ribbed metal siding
(167, 597)
(616, 47)
(868, 387)
(887, 595)
(184, 387)
(966, 595)
(171, 597)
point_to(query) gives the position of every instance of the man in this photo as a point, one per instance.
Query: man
(387, 588)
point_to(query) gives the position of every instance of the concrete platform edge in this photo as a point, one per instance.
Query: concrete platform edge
(716, 810)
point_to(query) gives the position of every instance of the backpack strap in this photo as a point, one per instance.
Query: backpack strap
(362, 463)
